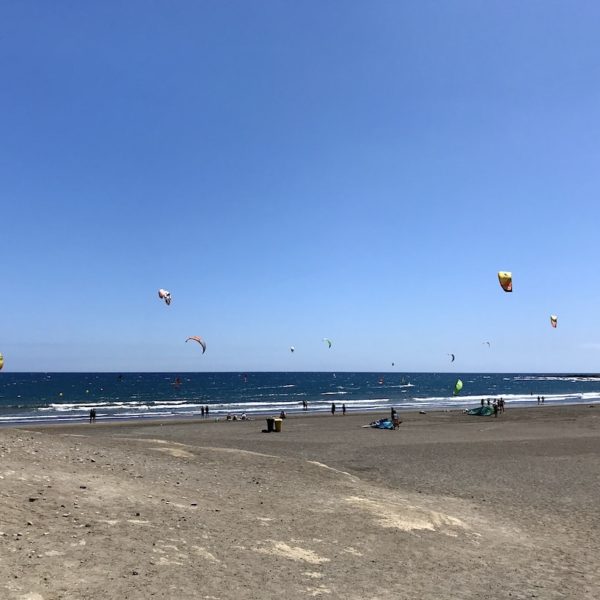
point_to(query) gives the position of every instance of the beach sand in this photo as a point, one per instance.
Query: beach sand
(447, 507)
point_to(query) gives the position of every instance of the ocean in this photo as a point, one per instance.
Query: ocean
(68, 397)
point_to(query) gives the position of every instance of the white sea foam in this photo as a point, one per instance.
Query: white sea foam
(572, 379)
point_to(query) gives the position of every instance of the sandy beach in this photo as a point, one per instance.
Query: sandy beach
(448, 506)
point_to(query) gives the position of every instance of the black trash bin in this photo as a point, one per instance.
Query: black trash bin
(270, 424)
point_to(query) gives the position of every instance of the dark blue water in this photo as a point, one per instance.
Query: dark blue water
(41, 397)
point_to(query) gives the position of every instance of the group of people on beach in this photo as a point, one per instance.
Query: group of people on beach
(204, 411)
(234, 417)
(497, 405)
(541, 399)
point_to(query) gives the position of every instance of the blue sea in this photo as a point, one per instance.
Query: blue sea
(68, 397)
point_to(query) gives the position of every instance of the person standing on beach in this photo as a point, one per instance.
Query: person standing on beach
(343, 410)
(539, 399)
(495, 409)
(333, 408)
(206, 411)
(482, 402)
(202, 411)
(543, 399)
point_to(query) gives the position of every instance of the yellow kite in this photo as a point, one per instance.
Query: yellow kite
(505, 279)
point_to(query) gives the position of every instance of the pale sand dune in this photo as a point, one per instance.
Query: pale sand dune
(448, 507)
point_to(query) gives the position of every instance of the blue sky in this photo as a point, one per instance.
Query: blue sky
(292, 171)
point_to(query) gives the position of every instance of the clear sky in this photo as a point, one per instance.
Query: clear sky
(298, 170)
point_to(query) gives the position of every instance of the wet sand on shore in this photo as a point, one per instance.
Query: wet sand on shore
(448, 506)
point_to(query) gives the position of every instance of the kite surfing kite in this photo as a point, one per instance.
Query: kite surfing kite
(505, 279)
(1, 361)
(165, 295)
(489, 345)
(292, 348)
(553, 321)
(328, 342)
(199, 340)
(452, 359)
(457, 387)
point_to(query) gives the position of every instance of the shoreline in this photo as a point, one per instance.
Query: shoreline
(408, 413)
(68, 398)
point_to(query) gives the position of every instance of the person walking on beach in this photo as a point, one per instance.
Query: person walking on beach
(206, 411)
(495, 409)
(539, 399)
(343, 410)
(543, 399)
(333, 408)
(202, 411)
